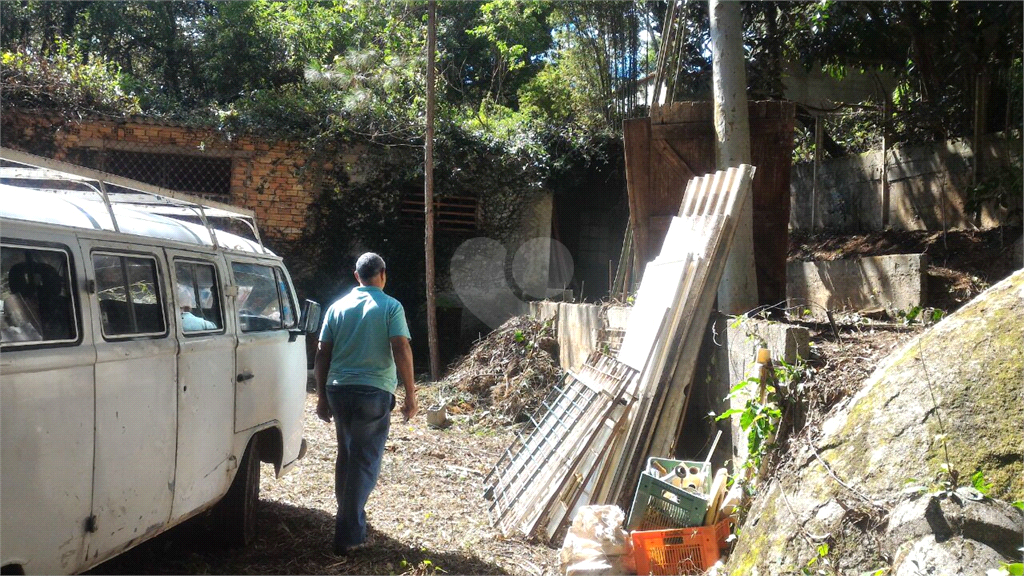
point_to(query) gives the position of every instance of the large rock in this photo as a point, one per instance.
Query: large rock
(961, 380)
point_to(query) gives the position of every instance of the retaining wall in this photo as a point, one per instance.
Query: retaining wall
(873, 284)
(927, 189)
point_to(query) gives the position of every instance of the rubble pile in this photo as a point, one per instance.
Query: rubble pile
(509, 371)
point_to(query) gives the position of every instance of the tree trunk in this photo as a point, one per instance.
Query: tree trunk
(737, 292)
(428, 200)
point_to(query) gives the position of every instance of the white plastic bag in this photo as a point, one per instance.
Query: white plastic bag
(596, 543)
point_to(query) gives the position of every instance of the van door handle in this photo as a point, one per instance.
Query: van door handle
(244, 376)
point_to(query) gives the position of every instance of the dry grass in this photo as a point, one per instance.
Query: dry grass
(427, 514)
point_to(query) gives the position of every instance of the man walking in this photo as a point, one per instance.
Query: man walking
(363, 352)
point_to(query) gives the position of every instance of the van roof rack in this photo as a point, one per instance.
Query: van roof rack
(70, 179)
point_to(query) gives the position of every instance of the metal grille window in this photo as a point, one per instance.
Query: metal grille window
(453, 213)
(182, 172)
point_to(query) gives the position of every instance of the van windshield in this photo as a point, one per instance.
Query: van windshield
(264, 300)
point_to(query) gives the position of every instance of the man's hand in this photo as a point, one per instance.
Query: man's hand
(323, 409)
(321, 364)
(403, 363)
(410, 407)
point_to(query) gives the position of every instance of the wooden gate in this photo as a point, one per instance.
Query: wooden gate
(677, 143)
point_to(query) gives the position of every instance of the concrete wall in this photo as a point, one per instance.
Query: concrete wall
(819, 90)
(783, 341)
(493, 280)
(873, 284)
(578, 327)
(926, 190)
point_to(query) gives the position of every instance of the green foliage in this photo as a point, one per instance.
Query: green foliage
(918, 314)
(1001, 188)
(933, 50)
(762, 412)
(820, 563)
(1011, 569)
(62, 80)
(517, 35)
(758, 419)
(979, 483)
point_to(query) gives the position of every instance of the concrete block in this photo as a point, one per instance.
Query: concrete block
(578, 326)
(617, 317)
(877, 283)
(544, 310)
(783, 341)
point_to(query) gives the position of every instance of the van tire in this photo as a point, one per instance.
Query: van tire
(234, 517)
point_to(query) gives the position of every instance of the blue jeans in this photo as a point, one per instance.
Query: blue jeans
(362, 418)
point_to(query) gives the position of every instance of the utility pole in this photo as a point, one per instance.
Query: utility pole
(428, 198)
(737, 292)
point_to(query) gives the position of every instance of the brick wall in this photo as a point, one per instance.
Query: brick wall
(265, 176)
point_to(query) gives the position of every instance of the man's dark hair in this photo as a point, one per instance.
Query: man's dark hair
(369, 265)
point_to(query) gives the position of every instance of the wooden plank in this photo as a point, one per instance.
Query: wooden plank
(577, 470)
(666, 434)
(636, 137)
(649, 310)
(669, 155)
(706, 129)
(586, 475)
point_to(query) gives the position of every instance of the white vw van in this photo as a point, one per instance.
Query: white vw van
(147, 366)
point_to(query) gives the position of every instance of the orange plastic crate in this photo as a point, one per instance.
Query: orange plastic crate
(680, 550)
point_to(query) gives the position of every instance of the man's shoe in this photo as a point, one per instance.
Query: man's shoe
(349, 550)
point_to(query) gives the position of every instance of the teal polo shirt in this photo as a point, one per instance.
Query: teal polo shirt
(360, 326)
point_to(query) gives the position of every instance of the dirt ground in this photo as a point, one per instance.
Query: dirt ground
(428, 514)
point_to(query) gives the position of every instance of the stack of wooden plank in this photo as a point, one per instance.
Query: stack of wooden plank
(539, 478)
(599, 426)
(672, 308)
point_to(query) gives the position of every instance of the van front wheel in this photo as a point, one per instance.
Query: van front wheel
(235, 515)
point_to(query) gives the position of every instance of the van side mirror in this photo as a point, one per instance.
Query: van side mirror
(310, 319)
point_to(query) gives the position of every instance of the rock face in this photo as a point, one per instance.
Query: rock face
(961, 381)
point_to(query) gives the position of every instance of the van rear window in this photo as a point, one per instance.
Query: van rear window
(129, 295)
(264, 300)
(36, 303)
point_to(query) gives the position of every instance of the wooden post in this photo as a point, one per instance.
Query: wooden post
(979, 125)
(885, 164)
(428, 198)
(818, 132)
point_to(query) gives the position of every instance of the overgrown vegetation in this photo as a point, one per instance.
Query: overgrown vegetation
(769, 396)
(507, 375)
(531, 93)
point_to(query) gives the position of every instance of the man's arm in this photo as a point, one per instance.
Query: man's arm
(321, 365)
(403, 362)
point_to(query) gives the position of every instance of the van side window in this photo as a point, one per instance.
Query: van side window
(264, 301)
(198, 297)
(130, 302)
(36, 303)
(288, 305)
